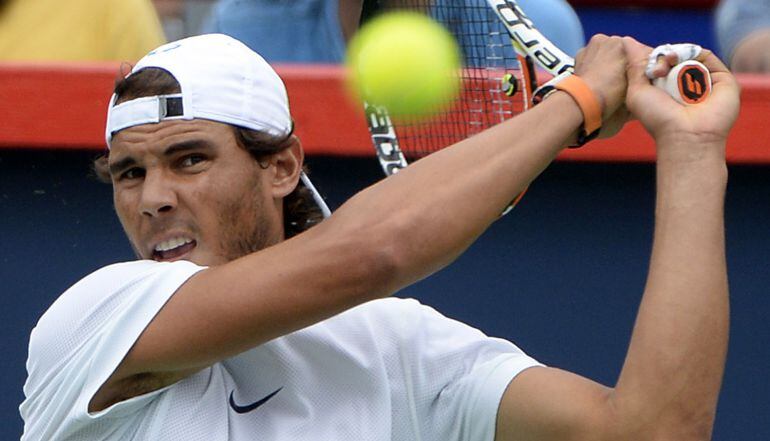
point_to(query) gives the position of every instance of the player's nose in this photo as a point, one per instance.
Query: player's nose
(158, 195)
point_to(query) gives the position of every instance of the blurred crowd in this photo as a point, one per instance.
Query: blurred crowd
(743, 33)
(290, 30)
(94, 30)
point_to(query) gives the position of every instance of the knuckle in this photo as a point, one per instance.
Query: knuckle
(598, 38)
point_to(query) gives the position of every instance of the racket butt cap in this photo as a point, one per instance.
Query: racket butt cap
(688, 82)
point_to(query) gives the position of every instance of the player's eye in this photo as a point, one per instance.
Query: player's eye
(132, 173)
(191, 160)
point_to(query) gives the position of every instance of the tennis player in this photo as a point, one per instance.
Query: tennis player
(238, 322)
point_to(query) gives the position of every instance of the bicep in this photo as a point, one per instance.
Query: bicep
(225, 310)
(549, 404)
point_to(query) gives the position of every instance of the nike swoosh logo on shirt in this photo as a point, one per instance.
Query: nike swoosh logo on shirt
(252, 406)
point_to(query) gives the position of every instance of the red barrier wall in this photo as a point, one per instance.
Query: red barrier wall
(64, 106)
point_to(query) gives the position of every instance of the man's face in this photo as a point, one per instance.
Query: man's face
(187, 190)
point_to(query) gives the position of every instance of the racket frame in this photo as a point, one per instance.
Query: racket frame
(528, 42)
(532, 48)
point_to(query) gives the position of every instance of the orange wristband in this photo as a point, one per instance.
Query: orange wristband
(588, 102)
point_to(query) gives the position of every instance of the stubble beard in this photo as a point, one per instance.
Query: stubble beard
(245, 227)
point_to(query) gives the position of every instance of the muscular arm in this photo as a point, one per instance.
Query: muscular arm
(670, 380)
(379, 241)
(376, 243)
(671, 377)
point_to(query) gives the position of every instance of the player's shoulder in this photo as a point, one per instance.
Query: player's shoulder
(120, 276)
(394, 314)
(389, 307)
(103, 289)
(125, 272)
(390, 315)
(410, 320)
(96, 301)
(395, 307)
(115, 272)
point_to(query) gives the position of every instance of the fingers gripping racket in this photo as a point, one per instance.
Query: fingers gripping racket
(689, 81)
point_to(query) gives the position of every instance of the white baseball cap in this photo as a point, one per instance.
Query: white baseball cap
(221, 80)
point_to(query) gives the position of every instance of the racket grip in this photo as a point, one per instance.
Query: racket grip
(688, 82)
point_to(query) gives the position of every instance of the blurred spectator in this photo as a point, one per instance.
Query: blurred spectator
(316, 30)
(182, 18)
(557, 21)
(743, 31)
(294, 31)
(171, 14)
(554, 18)
(72, 30)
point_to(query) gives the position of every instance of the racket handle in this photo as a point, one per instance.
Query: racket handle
(688, 82)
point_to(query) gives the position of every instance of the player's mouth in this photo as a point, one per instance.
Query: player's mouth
(173, 249)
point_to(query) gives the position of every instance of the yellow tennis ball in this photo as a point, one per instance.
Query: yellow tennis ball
(406, 62)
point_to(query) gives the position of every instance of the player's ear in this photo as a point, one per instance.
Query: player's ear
(287, 166)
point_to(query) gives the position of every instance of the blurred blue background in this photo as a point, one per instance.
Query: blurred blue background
(561, 275)
(651, 26)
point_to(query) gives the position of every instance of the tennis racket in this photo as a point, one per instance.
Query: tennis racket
(501, 49)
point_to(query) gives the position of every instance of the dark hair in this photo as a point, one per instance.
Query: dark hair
(300, 211)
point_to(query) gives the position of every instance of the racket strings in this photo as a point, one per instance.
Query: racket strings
(487, 56)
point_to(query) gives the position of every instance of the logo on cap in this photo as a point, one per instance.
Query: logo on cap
(694, 86)
(165, 48)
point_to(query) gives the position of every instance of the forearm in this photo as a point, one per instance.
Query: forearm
(391, 234)
(673, 371)
(410, 225)
(405, 227)
(456, 193)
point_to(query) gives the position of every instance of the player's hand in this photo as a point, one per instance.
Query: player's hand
(615, 122)
(707, 123)
(602, 65)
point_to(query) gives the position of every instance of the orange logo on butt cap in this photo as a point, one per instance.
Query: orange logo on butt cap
(694, 84)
